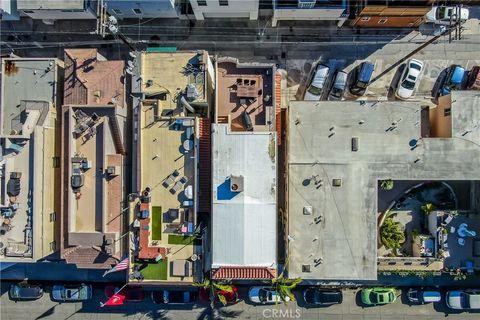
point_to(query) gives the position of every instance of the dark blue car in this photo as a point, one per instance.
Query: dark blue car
(453, 80)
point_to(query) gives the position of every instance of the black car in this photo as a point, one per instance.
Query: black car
(318, 297)
(174, 297)
(25, 291)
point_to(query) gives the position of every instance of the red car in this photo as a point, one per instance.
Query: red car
(231, 297)
(132, 294)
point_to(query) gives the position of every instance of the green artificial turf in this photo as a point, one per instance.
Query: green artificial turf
(156, 270)
(185, 240)
(156, 223)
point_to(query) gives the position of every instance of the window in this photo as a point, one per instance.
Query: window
(382, 21)
(137, 11)
(201, 3)
(56, 162)
(117, 11)
(53, 246)
(447, 112)
(223, 2)
(365, 19)
(53, 216)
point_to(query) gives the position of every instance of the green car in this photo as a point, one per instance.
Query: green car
(378, 296)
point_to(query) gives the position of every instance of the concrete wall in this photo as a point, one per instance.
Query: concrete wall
(122, 9)
(307, 14)
(234, 9)
(441, 122)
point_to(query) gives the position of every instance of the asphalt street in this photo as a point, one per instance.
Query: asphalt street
(351, 308)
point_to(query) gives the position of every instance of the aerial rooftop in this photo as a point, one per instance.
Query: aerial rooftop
(28, 137)
(50, 4)
(93, 168)
(332, 189)
(245, 90)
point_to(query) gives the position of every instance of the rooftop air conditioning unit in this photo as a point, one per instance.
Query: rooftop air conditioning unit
(306, 4)
(113, 170)
(236, 183)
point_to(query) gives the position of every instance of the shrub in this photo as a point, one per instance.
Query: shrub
(391, 234)
(387, 184)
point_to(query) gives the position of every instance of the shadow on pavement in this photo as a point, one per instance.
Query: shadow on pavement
(395, 82)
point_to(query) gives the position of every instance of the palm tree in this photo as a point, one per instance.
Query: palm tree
(392, 235)
(428, 208)
(214, 288)
(387, 185)
(284, 286)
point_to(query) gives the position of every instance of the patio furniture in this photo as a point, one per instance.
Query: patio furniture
(452, 229)
(446, 254)
(169, 181)
(188, 145)
(461, 241)
(176, 187)
(463, 231)
(189, 192)
(184, 180)
(181, 268)
(448, 219)
(187, 203)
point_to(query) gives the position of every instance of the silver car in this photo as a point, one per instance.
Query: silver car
(463, 300)
(315, 89)
(72, 293)
(338, 87)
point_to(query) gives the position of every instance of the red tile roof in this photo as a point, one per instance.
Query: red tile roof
(278, 106)
(205, 166)
(89, 81)
(89, 257)
(243, 273)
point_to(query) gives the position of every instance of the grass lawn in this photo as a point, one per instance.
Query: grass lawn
(174, 239)
(156, 271)
(156, 223)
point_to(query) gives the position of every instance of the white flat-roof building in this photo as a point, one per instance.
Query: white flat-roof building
(337, 154)
(204, 9)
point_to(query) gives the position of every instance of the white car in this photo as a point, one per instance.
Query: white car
(409, 79)
(72, 293)
(315, 89)
(463, 300)
(264, 295)
(442, 15)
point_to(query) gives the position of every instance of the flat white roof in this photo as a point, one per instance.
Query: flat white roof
(244, 224)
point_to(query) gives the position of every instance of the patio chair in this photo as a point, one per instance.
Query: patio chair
(176, 187)
(452, 229)
(169, 181)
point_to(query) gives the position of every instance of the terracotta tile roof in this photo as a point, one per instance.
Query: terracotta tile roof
(147, 252)
(243, 273)
(89, 81)
(278, 106)
(205, 166)
(89, 257)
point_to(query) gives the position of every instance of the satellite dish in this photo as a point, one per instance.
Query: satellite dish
(112, 20)
(113, 28)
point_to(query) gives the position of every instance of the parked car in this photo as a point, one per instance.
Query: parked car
(338, 87)
(443, 15)
(463, 300)
(473, 82)
(361, 77)
(71, 293)
(317, 297)
(423, 296)
(230, 297)
(264, 295)
(378, 296)
(409, 79)
(174, 297)
(453, 80)
(132, 294)
(317, 85)
(24, 291)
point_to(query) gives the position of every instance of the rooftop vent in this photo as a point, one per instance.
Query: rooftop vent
(236, 183)
(306, 268)
(308, 210)
(337, 182)
(113, 170)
